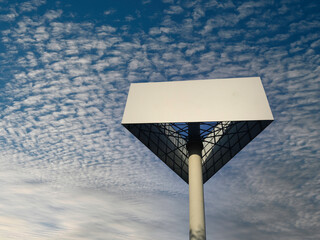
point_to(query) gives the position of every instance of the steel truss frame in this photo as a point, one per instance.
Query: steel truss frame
(221, 142)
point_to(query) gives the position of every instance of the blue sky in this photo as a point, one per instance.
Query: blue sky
(69, 170)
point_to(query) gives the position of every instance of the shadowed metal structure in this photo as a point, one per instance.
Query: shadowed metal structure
(221, 142)
(196, 127)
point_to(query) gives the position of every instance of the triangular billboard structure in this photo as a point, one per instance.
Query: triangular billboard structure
(231, 113)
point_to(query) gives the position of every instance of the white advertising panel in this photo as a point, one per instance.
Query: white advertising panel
(231, 99)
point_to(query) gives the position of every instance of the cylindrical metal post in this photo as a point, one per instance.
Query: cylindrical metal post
(196, 200)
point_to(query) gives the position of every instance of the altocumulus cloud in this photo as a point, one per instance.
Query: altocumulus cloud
(67, 109)
(69, 170)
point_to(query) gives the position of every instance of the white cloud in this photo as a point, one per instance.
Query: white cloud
(8, 17)
(29, 6)
(109, 12)
(198, 13)
(174, 9)
(248, 8)
(304, 25)
(51, 14)
(168, 1)
(146, 1)
(15, 9)
(219, 21)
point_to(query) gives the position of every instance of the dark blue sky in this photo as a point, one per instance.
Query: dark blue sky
(76, 173)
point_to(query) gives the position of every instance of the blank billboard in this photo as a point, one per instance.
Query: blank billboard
(231, 113)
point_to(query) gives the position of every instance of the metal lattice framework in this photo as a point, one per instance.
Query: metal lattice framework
(221, 142)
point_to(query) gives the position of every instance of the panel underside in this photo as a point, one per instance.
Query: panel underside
(221, 141)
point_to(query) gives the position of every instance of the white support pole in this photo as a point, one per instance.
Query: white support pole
(196, 200)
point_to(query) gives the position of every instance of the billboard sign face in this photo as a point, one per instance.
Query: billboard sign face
(233, 99)
(231, 112)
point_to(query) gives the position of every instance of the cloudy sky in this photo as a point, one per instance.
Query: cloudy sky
(69, 170)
